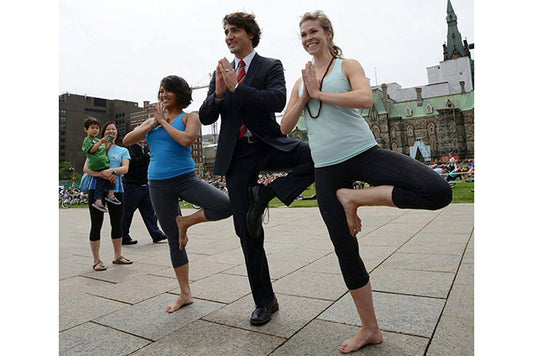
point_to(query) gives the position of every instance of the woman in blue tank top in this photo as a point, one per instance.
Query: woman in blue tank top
(171, 175)
(330, 94)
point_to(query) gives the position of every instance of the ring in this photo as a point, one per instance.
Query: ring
(226, 70)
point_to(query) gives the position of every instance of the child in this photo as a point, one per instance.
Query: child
(98, 160)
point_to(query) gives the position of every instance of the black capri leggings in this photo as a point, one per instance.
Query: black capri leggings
(416, 186)
(97, 217)
(165, 194)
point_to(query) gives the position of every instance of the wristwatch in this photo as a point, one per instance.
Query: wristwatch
(114, 171)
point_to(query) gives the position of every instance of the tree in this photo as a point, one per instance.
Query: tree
(65, 170)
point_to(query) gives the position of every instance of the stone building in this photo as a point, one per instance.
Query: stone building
(429, 121)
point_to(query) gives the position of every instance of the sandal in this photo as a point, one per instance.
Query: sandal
(101, 264)
(121, 260)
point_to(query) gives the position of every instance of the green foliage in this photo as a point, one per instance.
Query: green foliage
(65, 170)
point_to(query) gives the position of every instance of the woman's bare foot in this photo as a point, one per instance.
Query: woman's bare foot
(182, 301)
(363, 337)
(345, 197)
(182, 229)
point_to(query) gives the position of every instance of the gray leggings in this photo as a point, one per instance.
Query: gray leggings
(165, 194)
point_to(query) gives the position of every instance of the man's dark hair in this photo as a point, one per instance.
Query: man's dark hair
(245, 21)
(90, 121)
(179, 87)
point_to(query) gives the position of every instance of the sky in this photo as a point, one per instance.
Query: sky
(122, 49)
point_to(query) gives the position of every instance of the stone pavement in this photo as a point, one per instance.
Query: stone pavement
(421, 265)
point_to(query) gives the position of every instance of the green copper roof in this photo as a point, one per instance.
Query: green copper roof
(461, 101)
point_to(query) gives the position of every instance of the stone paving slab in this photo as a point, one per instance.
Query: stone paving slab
(295, 313)
(423, 262)
(220, 287)
(311, 285)
(92, 339)
(135, 290)
(198, 270)
(413, 258)
(277, 269)
(420, 283)
(324, 338)
(465, 275)
(399, 313)
(76, 309)
(454, 336)
(460, 302)
(150, 320)
(205, 338)
(433, 247)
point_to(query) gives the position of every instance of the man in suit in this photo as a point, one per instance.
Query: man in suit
(137, 195)
(246, 93)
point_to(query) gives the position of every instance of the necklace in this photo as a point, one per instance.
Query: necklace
(320, 88)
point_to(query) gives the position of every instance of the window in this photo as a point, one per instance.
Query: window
(100, 102)
(429, 108)
(393, 132)
(410, 130)
(431, 128)
(408, 111)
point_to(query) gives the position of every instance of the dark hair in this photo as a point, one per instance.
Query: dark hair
(245, 21)
(105, 128)
(90, 121)
(325, 23)
(179, 87)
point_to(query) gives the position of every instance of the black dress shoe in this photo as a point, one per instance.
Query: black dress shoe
(256, 209)
(160, 238)
(262, 315)
(129, 242)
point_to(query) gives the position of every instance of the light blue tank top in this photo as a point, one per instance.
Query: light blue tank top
(339, 133)
(168, 158)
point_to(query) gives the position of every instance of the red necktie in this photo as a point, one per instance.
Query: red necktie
(240, 77)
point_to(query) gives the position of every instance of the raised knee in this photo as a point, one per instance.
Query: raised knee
(441, 195)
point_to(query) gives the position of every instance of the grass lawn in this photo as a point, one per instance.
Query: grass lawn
(461, 194)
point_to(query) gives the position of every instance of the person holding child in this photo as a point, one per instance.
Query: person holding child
(96, 150)
(119, 159)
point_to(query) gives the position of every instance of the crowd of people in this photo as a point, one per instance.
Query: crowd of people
(245, 93)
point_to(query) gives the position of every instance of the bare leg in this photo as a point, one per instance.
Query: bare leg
(184, 222)
(182, 273)
(117, 249)
(369, 333)
(352, 199)
(95, 249)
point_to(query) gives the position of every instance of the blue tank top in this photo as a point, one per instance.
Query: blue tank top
(339, 133)
(168, 158)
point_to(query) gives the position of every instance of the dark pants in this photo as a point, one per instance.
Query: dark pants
(137, 196)
(165, 194)
(416, 186)
(248, 160)
(102, 187)
(97, 217)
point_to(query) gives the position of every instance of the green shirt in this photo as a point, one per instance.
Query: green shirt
(98, 160)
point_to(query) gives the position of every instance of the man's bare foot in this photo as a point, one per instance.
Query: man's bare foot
(182, 229)
(350, 209)
(363, 337)
(182, 301)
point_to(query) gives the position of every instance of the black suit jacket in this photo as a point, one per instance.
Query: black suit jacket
(254, 102)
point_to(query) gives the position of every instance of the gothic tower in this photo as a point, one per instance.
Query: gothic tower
(454, 46)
